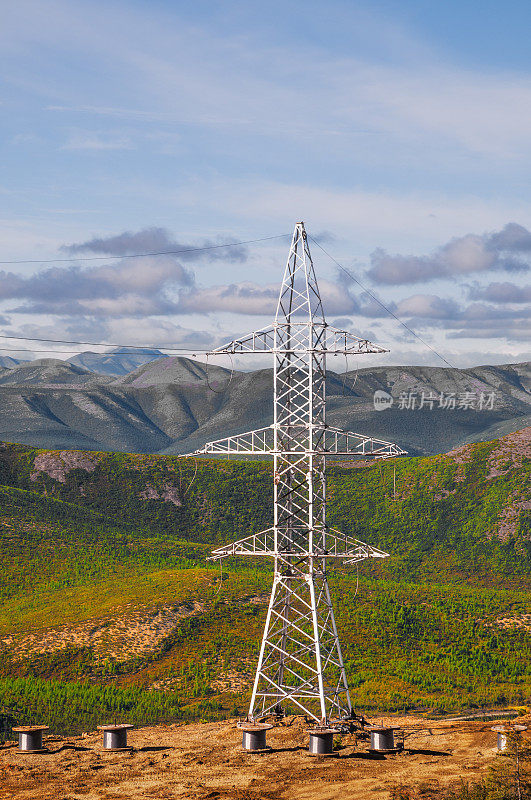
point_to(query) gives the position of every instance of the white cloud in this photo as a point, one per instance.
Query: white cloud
(133, 286)
(505, 292)
(427, 306)
(508, 250)
(425, 313)
(251, 298)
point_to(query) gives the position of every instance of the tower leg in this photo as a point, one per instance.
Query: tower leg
(254, 711)
(284, 639)
(300, 667)
(343, 683)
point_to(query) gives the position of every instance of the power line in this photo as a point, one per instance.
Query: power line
(133, 347)
(139, 351)
(377, 300)
(130, 348)
(195, 351)
(145, 255)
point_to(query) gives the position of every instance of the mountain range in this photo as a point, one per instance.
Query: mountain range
(174, 405)
(118, 361)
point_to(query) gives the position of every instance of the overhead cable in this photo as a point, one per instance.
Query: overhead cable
(132, 351)
(104, 344)
(145, 255)
(377, 300)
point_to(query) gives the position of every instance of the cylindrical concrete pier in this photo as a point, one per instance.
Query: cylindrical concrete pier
(503, 731)
(322, 741)
(383, 739)
(254, 736)
(30, 738)
(115, 737)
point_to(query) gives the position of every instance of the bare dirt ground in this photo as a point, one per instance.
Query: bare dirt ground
(122, 636)
(204, 761)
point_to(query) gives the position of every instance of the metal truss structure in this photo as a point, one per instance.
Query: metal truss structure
(300, 664)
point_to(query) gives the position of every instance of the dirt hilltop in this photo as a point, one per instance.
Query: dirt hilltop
(204, 761)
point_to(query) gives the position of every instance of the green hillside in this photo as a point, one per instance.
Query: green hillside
(466, 513)
(108, 606)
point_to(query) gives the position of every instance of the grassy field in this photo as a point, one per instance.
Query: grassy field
(439, 626)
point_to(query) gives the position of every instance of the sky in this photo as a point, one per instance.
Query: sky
(398, 131)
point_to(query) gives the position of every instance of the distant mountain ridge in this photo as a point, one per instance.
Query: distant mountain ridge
(119, 361)
(7, 362)
(48, 372)
(115, 362)
(174, 404)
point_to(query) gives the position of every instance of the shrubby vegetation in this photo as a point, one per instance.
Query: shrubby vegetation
(420, 632)
(81, 706)
(444, 514)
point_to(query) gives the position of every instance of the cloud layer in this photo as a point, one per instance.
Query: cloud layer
(137, 286)
(506, 250)
(159, 240)
(130, 286)
(99, 300)
(501, 293)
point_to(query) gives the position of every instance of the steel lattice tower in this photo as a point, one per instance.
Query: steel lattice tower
(300, 660)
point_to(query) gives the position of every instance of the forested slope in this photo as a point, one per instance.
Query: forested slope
(466, 511)
(105, 581)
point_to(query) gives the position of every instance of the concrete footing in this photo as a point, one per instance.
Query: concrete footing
(115, 737)
(254, 736)
(322, 741)
(30, 738)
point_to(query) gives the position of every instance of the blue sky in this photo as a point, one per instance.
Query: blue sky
(399, 131)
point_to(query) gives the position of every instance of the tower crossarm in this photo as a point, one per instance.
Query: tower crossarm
(340, 545)
(338, 442)
(342, 342)
(328, 441)
(258, 544)
(261, 341)
(257, 442)
(327, 543)
(326, 340)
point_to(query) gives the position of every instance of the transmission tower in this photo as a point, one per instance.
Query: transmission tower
(300, 662)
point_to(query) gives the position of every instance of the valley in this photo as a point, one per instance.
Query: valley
(108, 603)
